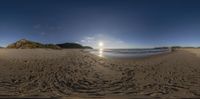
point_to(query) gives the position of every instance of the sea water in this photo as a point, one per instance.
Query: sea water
(128, 53)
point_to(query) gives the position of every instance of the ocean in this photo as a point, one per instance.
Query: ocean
(128, 53)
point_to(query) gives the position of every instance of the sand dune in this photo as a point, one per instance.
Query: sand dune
(75, 73)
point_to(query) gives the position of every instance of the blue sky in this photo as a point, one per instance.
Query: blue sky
(117, 23)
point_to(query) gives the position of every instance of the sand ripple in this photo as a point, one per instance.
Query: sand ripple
(43, 72)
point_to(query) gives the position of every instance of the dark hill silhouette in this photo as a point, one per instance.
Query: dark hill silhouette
(73, 45)
(87, 47)
(70, 45)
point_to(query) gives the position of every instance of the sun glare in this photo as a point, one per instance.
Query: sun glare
(100, 44)
(100, 49)
(100, 52)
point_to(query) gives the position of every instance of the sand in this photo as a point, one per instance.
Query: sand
(74, 73)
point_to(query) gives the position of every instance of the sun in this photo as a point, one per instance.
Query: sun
(100, 44)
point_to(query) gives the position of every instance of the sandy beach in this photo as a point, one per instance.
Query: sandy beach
(76, 73)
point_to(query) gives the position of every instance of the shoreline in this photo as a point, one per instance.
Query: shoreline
(128, 53)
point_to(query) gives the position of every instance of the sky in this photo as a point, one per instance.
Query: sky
(116, 23)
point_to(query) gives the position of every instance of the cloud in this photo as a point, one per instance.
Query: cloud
(37, 26)
(89, 38)
(109, 42)
(43, 33)
(82, 41)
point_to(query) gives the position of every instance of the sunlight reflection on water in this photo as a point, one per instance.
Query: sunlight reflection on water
(100, 52)
(127, 53)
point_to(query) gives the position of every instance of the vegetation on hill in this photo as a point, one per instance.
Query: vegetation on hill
(87, 47)
(70, 45)
(26, 44)
(73, 45)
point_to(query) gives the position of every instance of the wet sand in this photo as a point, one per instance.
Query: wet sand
(74, 74)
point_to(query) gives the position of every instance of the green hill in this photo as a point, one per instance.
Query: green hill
(26, 44)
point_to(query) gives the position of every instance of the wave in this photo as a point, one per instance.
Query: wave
(129, 52)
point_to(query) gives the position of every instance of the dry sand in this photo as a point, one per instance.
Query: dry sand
(75, 73)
